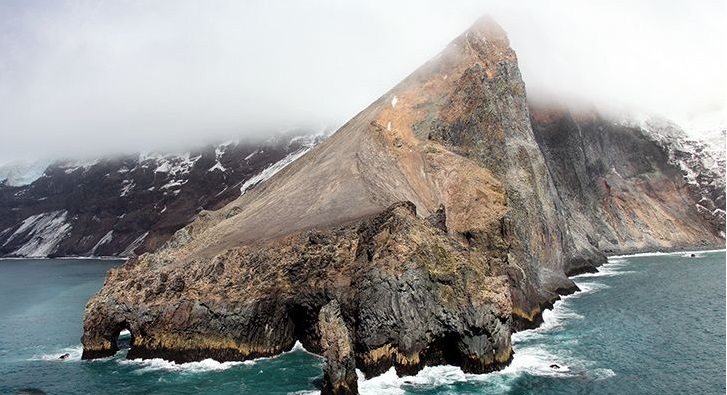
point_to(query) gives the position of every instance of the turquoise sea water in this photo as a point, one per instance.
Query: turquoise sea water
(644, 325)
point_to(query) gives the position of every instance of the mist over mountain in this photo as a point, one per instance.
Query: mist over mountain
(93, 79)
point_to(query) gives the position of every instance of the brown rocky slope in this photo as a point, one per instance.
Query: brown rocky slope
(424, 231)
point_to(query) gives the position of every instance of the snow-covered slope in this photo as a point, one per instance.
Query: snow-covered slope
(22, 173)
(130, 204)
(701, 160)
(305, 142)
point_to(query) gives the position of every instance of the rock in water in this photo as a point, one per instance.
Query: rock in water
(425, 231)
(339, 373)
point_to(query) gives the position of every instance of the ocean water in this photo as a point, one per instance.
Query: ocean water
(650, 324)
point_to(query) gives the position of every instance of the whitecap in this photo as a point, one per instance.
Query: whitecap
(206, 365)
(587, 288)
(610, 269)
(553, 320)
(602, 374)
(387, 383)
(536, 361)
(158, 364)
(74, 354)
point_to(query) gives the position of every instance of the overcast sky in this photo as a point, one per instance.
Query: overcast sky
(93, 77)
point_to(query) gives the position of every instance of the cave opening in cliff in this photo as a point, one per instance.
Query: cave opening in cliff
(124, 338)
(305, 325)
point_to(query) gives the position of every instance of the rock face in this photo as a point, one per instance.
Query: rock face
(425, 231)
(620, 186)
(418, 296)
(339, 374)
(131, 204)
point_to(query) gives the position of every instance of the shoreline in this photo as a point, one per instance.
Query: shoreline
(675, 250)
(98, 258)
(667, 252)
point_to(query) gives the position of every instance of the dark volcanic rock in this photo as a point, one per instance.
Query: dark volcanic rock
(411, 295)
(339, 373)
(620, 190)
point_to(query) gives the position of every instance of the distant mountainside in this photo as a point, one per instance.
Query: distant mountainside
(439, 220)
(130, 204)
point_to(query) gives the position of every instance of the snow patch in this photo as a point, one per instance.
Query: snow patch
(394, 101)
(41, 234)
(73, 166)
(17, 174)
(104, 240)
(174, 184)
(134, 244)
(217, 166)
(126, 187)
(308, 142)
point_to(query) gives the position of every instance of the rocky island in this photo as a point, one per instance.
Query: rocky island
(440, 219)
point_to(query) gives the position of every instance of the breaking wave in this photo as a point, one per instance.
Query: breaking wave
(534, 354)
(158, 364)
(206, 365)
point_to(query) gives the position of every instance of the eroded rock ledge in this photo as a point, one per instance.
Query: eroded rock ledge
(410, 293)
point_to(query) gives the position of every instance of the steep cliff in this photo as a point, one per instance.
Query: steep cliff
(424, 231)
(621, 188)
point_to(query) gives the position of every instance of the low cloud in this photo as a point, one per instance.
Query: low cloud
(93, 78)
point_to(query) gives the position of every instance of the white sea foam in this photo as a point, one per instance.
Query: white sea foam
(206, 365)
(74, 354)
(685, 253)
(158, 364)
(612, 268)
(533, 361)
(587, 288)
(601, 373)
(536, 361)
(385, 384)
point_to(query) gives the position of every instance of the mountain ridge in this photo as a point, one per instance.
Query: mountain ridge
(428, 228)
(115, 206)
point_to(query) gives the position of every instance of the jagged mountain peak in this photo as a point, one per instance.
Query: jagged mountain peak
(385, 154)
(430, 225)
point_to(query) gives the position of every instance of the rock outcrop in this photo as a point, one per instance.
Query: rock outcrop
(424, 231)
(411, 294)
(339, 374)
